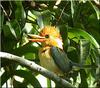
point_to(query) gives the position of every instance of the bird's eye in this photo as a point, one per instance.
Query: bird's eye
(46, 36)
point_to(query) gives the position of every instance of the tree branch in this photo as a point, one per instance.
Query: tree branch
(33, 66)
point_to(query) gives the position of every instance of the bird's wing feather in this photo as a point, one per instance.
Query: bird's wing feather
(60, 58)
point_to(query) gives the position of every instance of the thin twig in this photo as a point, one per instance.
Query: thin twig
(33, 66)
(61, 14)
(5, 12)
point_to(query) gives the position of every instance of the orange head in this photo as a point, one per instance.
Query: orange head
(49, 36)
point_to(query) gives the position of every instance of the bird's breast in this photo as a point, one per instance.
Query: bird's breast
(47, 61)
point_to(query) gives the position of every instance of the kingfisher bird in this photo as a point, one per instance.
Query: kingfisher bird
(51, 54)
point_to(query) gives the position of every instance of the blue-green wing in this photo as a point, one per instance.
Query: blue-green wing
(61, 59)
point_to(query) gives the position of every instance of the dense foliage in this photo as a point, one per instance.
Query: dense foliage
(79, 24)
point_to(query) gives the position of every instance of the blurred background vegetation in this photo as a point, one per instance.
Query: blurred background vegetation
(79, 24)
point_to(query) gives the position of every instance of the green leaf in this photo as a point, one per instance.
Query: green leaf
(14, 28)
(94, 27)
(91, 81)
(4, 77)
(25, 49)
(38, 17)
(8, 40)
(31, 55)
(95, 57)
(83, 83)
(84, 50)
(18, 84)
(49, 83)
(43, 18)
(7, 32)
(19, 12)
(29, 77)
(40, 22)
(73, 54)
(72, 33)
(48, 15)
(11, 29)
(97, 10)
(15, 25)
(64, 32)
